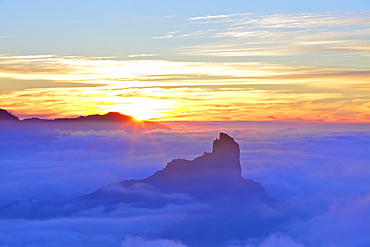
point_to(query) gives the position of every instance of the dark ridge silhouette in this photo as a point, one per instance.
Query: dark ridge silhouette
(232, 207)
(211, 177)
(109, 117)
(7, 116)
(109, 121)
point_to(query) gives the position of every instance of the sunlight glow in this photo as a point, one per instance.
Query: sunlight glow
(169, 90)
(141, 108)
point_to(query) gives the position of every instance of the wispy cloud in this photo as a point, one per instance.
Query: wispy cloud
(222, 102)
(298, 20)
(176, 35)
(143, 55)
(184, 90)
(160, 72)
(9, 36)
(337, 33)
(212, 17)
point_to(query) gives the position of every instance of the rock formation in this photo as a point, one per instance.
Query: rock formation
(213, 178)
(210, 175)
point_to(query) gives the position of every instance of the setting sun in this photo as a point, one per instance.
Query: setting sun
(142, 108)
(184, 123)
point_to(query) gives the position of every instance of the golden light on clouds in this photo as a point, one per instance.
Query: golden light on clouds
(167, 90)
(231, 66)
(141, 108)
(107, 70)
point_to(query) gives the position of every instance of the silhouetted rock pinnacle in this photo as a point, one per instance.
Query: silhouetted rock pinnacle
(227, 152)
(205, 201)
(210, 175)
(213, 177)
(6, 116)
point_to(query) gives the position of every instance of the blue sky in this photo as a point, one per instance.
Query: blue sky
(261, 68)
(121, 28)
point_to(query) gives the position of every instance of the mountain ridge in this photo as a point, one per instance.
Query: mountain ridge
(207, 195)
(110, 121)
(7, 116)
(211, 177)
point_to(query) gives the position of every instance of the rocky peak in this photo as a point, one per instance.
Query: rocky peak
(222, 162)
(225, 145)
(213, 178)
(211, 174)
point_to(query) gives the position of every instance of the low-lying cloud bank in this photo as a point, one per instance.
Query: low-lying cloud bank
(318, 172)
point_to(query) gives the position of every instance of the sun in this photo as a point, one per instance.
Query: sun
(143, 108)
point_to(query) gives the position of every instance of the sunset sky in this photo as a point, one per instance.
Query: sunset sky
(187, 60)
(287, 80)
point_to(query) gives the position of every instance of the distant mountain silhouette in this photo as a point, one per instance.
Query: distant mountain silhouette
(7, 116)
(109, 117)
(226, 206)
(109, 121)
(211, 177)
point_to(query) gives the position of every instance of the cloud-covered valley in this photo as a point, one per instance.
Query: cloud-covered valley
(317, 172)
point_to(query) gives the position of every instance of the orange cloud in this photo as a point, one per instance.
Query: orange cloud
(159, 89)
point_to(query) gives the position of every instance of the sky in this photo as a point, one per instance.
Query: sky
(177, 60)
(289, 80)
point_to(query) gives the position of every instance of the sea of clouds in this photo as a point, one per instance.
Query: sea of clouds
(319, 173)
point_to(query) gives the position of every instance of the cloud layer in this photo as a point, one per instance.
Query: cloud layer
(318, 172)
(275, 35)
